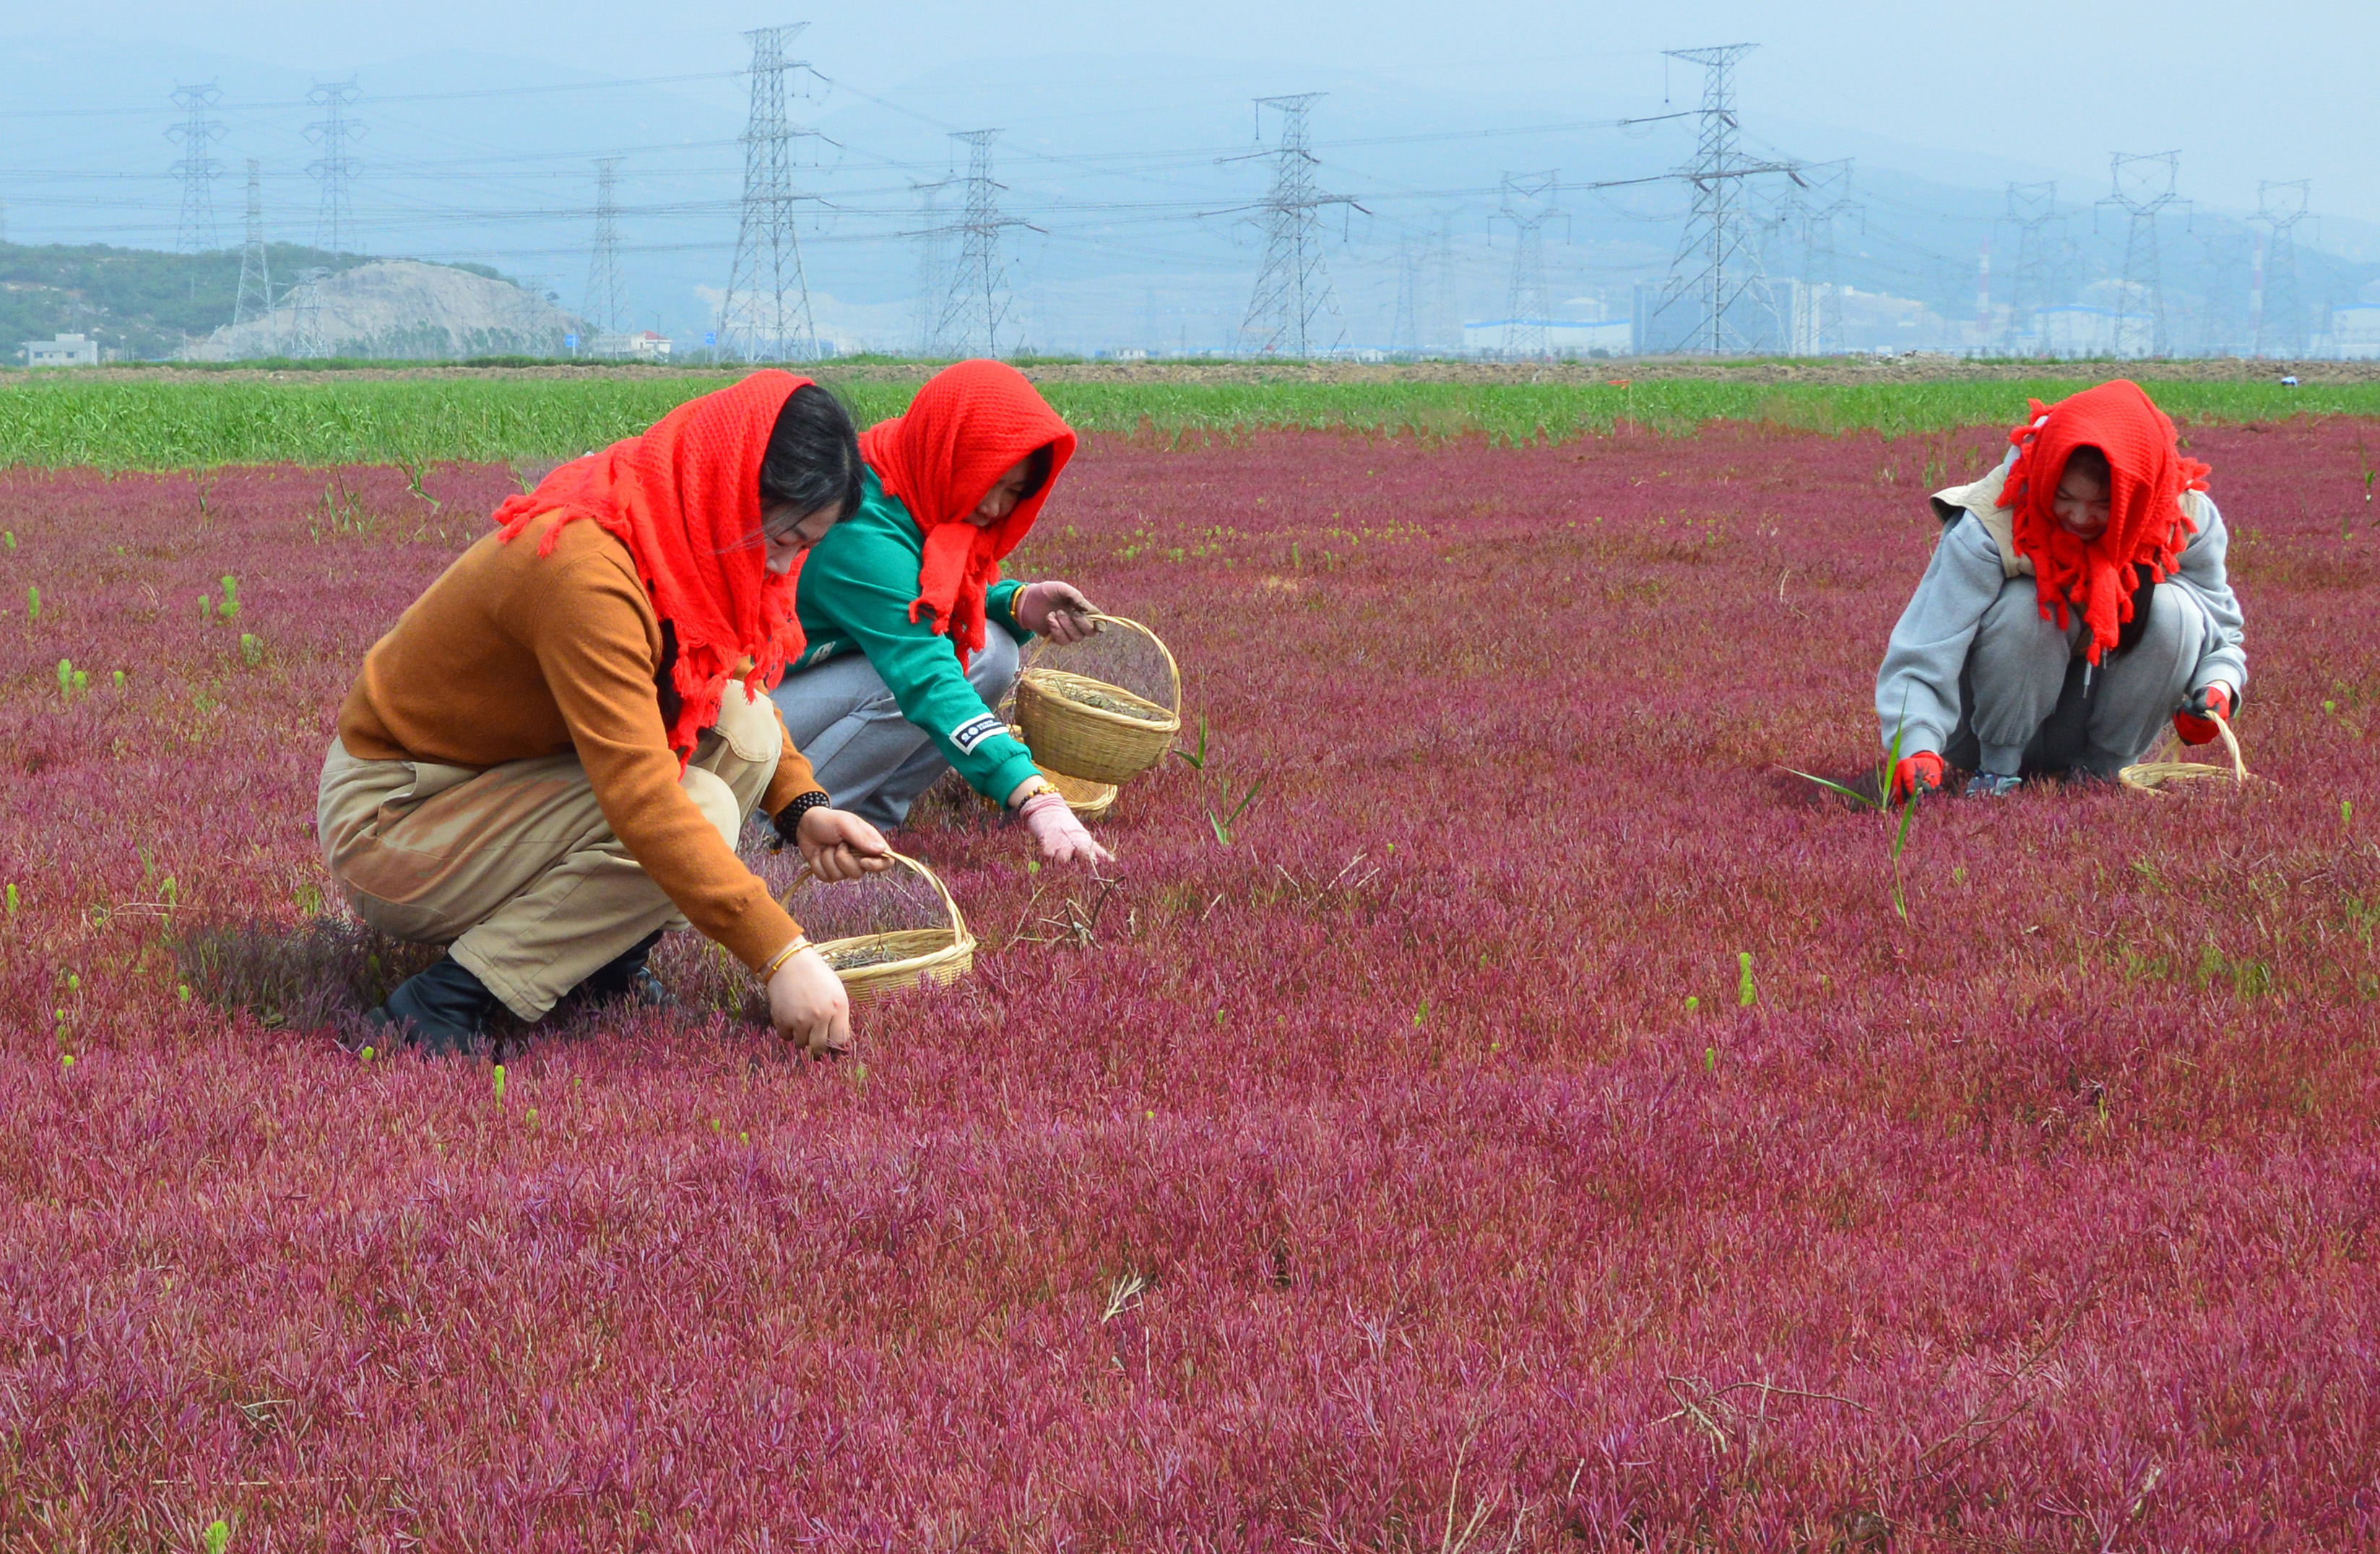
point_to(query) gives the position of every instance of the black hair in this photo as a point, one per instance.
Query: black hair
(2089, 462)
(813, 457)
(1037, 471)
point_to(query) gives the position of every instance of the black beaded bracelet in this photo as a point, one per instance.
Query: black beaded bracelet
(788, 821)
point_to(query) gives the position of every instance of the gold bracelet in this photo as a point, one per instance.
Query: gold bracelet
(1046, 787)
(801, 942)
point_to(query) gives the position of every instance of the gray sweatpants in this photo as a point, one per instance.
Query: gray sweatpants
(871, 761)
(2027, 708)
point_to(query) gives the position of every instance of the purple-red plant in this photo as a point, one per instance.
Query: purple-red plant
(1423, 1170)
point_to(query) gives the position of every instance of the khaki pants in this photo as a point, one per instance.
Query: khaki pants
(514, 868)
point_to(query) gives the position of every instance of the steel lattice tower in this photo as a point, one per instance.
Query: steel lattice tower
(305, 301)
(335, 222)
(1717, 264)
(607, 308)
(1445, 310)
(976, 304)
(1292, 288)
(197, 169)
(2280, 317)
(1528, 204)
(255, 265)
(933, 263)
(2033, 208)
(1404, 326)
(766, 314)
(2143, 187)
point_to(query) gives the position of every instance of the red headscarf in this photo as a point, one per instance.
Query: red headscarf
(968, 425)
(2146, 526)
(684, 498)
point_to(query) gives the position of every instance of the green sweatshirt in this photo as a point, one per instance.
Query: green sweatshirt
(857, 585)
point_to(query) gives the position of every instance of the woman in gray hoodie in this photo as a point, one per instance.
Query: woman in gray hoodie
(2076, 600)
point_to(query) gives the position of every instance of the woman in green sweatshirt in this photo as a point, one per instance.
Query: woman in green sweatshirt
(913, 636)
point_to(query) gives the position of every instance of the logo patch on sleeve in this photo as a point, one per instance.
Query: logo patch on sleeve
(975, 731)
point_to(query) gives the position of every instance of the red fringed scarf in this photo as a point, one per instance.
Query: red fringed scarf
(967, 426)
(684, 498)
(2146, 526)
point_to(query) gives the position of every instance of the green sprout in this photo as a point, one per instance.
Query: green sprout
(32, 603)
(66, 679)
(1692, 1003)
(230, 606)
(499, 1083)
(1747, 993)
(2347, 811)
(206, 607)
(1710, 1060)
(9, 535)
(12, 898)
(183, 992)
(1421, 1012)
(218, 1537)
(119, 679)
(365, 1056)
(251, 648)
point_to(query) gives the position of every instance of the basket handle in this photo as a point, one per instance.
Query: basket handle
(950, 902)
(1172, 668)
(2231, 743)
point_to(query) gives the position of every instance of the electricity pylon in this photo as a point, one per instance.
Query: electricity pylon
(766, 314)
(977, 302)
(2033, 208)
(1717, 265)
(255, 299)
(2280, 319)
(1292, 290)
(334, 221)
(1528, 204)
(606, 306)
(933, 263)
(1404, 326)
(2143, 187)
(197, 169)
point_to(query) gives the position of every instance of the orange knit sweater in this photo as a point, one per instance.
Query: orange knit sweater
(512, 655)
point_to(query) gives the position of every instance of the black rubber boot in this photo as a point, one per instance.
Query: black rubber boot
(624, 978)
(443, 1010)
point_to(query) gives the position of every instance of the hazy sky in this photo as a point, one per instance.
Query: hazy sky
(2274, 92)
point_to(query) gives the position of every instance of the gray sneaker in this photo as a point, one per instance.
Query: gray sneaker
(1991, 784)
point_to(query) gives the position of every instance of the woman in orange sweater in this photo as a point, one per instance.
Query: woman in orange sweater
(548, 760)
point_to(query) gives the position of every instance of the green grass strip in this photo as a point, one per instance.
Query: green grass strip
(130, 424)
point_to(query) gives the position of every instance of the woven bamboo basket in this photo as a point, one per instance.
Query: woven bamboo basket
(2161, 771)
(1137, 679)
(934, 957)
(1088, 800)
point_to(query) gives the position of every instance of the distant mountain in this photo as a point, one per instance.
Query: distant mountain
(142, 305)
(401, 309)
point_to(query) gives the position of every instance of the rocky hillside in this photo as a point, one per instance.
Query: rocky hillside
(398, 308)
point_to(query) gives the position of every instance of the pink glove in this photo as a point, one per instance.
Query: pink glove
(1054, 610)
(1061, 837)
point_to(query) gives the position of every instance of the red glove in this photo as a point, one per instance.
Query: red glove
(1920, 773)
(2195, 721)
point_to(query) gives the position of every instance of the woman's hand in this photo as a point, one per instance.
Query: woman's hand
(839, 845)
(1057, 610)
(1061, 837)
(808, 1003)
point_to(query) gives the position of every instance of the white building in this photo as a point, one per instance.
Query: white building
(649, 347)
(2355, 330)
(65, 350)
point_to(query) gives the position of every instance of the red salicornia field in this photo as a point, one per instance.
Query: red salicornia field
(1534, 1121)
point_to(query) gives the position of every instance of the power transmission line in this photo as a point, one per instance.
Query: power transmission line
(334, 221)
(196, 168)
(606, 310)
(766, 314)
(1292, 288)
(1528, 204)
(2280, 317)
(1717, 265)
(2143, 187)
(255, 298)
